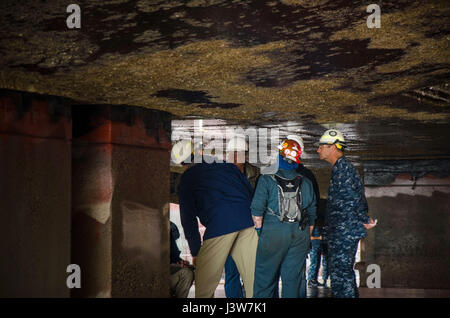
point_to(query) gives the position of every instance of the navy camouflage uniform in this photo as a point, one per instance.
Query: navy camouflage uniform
(346, 213)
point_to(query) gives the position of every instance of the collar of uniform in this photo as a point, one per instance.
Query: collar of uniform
(286, 174)
(338, 164)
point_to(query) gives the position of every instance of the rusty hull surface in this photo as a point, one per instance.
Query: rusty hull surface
(314, 63)
(235, 59)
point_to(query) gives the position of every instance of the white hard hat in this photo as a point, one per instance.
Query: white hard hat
(299, 140)
(237, 143)
(183, 150)
(333, 137)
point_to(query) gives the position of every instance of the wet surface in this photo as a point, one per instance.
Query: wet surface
(377, 140)
(381, 173)
(253, 61)
(127, 26)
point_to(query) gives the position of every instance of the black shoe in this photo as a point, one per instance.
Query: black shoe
(313, 283)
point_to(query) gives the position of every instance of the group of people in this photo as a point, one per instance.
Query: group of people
(265, 229)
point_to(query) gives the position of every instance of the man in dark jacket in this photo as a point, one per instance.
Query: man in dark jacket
(220, 195)
(233, 286)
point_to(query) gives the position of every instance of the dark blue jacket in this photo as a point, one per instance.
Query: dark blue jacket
(347, 208)
(219, 195)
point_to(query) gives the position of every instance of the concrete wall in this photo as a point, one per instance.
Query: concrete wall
(411, 241)
(85, 185)
(35, 201)
(91, 222)
(121, 201)
(140, 212)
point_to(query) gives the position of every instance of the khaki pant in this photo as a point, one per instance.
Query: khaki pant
(241, 245)
(181, 279)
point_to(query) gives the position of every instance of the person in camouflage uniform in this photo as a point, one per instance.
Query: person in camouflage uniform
(316, 254)
(346, 217)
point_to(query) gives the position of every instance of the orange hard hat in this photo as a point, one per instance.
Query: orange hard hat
(290, 149)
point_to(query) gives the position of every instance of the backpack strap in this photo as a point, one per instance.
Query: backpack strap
(287, 185)
(280, 199)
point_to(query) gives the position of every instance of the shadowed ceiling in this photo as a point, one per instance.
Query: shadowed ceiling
(315, 63)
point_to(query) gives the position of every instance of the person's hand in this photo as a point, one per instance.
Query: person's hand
(370, 225)
(257, 221)
(316, 237)
(194, 259)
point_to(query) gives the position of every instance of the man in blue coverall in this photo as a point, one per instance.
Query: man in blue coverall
(346, 217)
(284, 238)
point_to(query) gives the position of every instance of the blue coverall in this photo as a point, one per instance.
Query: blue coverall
(282, 246)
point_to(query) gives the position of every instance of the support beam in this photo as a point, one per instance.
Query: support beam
(120, 192)
(35, 200)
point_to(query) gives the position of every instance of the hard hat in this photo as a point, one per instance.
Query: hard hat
(333, 137)
(183, 150)
(299, 140)
(290, 149)
(237, 143)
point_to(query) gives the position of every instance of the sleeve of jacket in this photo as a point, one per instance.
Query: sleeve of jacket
(188, 216)
(352, 195)
(261, 196)
(311, 208)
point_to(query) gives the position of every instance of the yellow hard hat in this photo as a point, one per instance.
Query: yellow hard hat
(333, 137)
